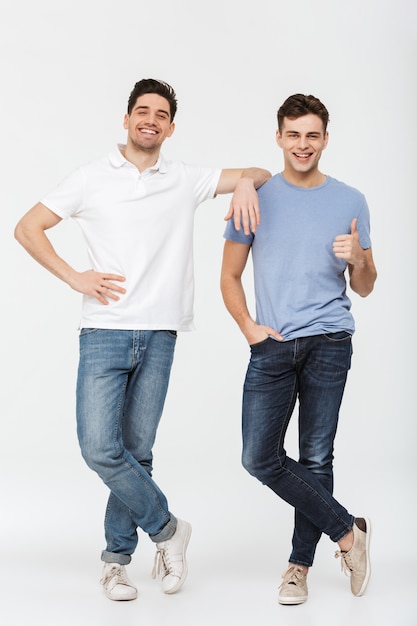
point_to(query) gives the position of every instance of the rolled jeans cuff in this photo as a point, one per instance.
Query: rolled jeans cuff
(167, 532)
(114, 557)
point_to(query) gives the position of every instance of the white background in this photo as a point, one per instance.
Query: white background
(67, 68)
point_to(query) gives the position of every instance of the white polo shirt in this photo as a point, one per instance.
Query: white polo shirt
(139, 225)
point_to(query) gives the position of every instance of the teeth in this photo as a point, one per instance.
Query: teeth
(302, 156)
(147, 131)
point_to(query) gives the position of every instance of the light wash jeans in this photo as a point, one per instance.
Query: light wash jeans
(122, 382)
(314, 371)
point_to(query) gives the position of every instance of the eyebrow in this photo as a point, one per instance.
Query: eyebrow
(143, 107)
(297, 132)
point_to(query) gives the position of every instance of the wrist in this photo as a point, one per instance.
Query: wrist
(247, 179)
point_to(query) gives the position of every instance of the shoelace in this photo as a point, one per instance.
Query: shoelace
(161, 564)
(345, 562)
(117, 574)
(292, 575)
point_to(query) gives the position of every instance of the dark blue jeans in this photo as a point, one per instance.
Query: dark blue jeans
(314, 371)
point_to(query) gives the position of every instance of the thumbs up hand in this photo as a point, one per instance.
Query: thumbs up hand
(348, 247)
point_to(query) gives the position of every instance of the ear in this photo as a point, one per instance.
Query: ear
(171, 129)
(326, 139)
(126, 121)
(278, 138)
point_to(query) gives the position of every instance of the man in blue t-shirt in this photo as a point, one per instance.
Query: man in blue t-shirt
(312, 229)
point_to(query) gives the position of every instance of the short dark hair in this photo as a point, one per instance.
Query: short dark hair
(298, 105)
(150, 85)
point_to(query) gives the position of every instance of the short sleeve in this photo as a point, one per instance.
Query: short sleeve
(67, 198)
(232, 234)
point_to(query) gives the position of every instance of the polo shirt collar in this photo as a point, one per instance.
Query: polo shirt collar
(117, 159)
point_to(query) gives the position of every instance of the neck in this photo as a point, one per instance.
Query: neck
(304, 179)
(142, 159)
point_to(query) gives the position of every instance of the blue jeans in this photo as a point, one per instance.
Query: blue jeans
(122, 382)
(314, 371)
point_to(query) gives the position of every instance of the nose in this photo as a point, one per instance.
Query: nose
(303, 142)
(152, 118)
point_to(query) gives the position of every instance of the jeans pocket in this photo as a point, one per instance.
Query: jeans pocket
(87, 331)
(264, 347)
(341, 335)
(259, 344)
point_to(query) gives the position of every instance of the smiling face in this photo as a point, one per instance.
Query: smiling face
(149, 123)
(302, 141)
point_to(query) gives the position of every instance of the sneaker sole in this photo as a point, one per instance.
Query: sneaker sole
(126, 598)
(292, 601)
(185, 568)
(368, 561)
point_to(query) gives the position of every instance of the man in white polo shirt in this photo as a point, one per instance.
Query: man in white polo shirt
(136, 211)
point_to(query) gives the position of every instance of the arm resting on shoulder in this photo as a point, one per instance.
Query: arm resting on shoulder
(244, 206)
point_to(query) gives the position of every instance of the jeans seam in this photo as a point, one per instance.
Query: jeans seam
(316, 494)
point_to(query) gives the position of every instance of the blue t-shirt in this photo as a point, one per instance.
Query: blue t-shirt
(300, 285)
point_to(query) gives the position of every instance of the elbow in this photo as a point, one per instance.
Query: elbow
(18, 232)
(265, 176)
(21, 234)
(223, 287)
(227, 284)
(365, 292)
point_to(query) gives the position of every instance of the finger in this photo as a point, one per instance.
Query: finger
(353, 226)
(244, 220)
(274, 333)
(107, 292)
(254, 219)
(237, 221)
(117, 277)
(257, 214)
(108, 286)
(100, 298)
(229, 214)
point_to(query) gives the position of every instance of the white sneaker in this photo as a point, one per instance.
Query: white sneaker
(116, 584)
(170, 558)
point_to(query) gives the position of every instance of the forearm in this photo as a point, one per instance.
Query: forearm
(235, 301)
(37, 244)
(362, 277)
(257, 175)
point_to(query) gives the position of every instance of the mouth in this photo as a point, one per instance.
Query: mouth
(147, 131)
(301, 156)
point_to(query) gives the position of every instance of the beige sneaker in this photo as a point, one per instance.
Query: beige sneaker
(356, 563)
(116, 584)
(293, 589)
